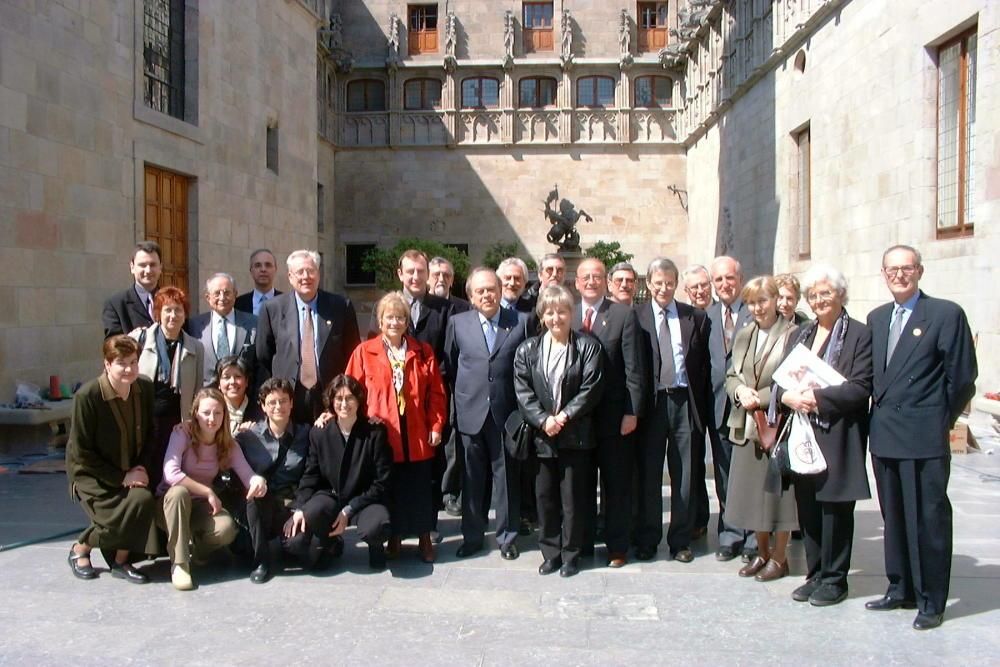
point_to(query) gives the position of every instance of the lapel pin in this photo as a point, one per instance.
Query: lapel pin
(328, 323)
(604, 323)
(917, 331)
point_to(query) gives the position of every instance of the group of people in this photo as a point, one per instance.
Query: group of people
(268, 421)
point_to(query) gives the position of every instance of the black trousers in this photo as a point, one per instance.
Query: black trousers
(307, 404)
(561, 490)
(913, 496)
(827, 534)
(320, 511)
(489, 475)
(265, 518)
(613, 463)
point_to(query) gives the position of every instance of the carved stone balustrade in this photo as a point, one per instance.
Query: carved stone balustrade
(422, 129)
(596, 126)
(537, 127)
(364, 129)
(480, 127)
(653, 126)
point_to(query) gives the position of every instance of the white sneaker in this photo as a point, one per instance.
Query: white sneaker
(180, 576)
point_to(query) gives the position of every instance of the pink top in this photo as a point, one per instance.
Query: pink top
(181, 461)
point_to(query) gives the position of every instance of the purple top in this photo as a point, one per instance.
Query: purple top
(181, 461)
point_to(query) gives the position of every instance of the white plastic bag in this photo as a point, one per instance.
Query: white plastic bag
(804, 454)
(27, 395)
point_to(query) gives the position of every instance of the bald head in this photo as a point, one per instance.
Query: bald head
(727, 279)
(591, 280)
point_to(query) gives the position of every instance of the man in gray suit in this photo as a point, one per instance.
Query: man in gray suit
(223, 330)
(479, 366)
(727, 315)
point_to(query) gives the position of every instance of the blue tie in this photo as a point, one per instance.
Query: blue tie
(491, 335)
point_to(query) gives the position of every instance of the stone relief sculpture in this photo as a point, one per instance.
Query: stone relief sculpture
(563, 232)
(333, 37)
(566, 39)
(392, 58)
(508, 39)
(624, 40)
(450, 42)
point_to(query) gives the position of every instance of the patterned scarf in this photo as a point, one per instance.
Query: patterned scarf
(832, 354)
(168, 371)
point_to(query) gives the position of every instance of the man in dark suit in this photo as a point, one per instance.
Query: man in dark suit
(616, 327)
(479, 364)
(727, 316)
(622, 283)
(133, 307)
(305, 336)
(263, 268)
(223, 330)
(513, 274)
(676, 337)
(698, 286)
(924, 364)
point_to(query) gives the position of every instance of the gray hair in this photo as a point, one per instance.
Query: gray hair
(554, 296)
(623, 266)
(916, 253)
(552, 255)
(822, 273)
(514, 261)
(475, 272)
(303, 254)
(727, 258)
(696, 268)
(212, 277)
(661, 264)
(441, 260)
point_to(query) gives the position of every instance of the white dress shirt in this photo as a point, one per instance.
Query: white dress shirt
(670, 312)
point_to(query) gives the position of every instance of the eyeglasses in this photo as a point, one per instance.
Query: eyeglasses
(906, 270)
(344, 399)
(221, 294)
(700, 287)
(272, 403)
(825, 295)
(623, 281)
(394, 318)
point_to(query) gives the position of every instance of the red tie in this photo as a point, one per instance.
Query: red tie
(588, 321)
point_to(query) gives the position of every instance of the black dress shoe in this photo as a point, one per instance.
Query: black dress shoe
(376, 557)
(726, 553)
(81, 571)
(699, 533)
(684, 556)
(336, 547)
(828, 595)
(802, 593)
(645, 553)
(927, 621)
(587, 552)
(128, 572)
(524, 528)
(886, 603)
(466, 550)
(550, 565)
(509, 552)
(569, 569)
(452, 507)
(260, 574)
(749, 555)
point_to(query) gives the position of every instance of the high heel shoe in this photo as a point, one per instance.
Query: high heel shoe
(81, 571)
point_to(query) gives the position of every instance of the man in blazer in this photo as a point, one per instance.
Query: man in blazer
(133, 307)
(727, 316)
(678, 409)
(263, 268)
(924, 365)
(223, 330)
(305, 336)
(479, 366)
(616, 327)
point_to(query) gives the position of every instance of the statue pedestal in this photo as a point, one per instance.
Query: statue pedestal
(572, 259)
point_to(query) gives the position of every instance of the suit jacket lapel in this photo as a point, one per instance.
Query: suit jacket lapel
(648, 322)
(538, 371)
(503, 330)
(686, 322)
(880, 341)
(908, 339)
(137, 308)
(601, 318)
(322, 323)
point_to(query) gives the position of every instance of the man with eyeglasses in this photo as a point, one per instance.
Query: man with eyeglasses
(698, 286)
(223, 330)
(306, 335)
(924, 364)
(622, 283)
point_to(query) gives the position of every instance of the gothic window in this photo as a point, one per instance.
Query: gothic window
(422, 94)
(537, 26)
(163, 56)
(480, 93)
(595, 91)
(803, 193)
(423, 29)
(538, 91)
(366, 95)
(956, 133)
(356, 274)
(653, 91)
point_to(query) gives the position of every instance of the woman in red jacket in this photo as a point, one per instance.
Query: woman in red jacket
(406, 392)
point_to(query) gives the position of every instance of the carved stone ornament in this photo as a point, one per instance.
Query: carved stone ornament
(508, 39)
(450, 42)
(625, 58)
(333, 37)
(566, 39)
(392, 57)
(673, 56)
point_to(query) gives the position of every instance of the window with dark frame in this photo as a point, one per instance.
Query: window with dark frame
(422, 36)
(537, 26)
(422, 94)
(956, 132)
(366, 95)
(355, 254)
(652, 26)
(480, 93)
(537, 91)
(803, 184)
(595, 91)
(653, 91)
(272, 148)
(163, 56)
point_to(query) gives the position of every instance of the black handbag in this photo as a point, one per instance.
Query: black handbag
(779, 466)
(519, 437)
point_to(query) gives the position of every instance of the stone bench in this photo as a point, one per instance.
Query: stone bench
(26, 425)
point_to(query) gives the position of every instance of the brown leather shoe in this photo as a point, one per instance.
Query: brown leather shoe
(426, 548)
(773, 570)
(617, 560)
(392, 548)
(753, 567)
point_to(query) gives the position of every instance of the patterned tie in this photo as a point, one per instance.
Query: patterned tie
(491, 335)
(222, 341)
(728, 329)
(895, 331)
(668, 372)
(307, 370)
(588, 321)
(149, 306)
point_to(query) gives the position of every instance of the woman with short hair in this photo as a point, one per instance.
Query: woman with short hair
(233, 377)
(789, 294)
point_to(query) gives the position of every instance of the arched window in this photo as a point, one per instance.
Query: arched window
(480, 93)
(653, 91)
(422, 94)
(538, 91)
(366, 95)
(595, 91)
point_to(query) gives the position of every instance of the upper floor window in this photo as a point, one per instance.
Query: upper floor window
(480, 93)
(537, 26)
(653, 91)
(538, 91)
(163, 56)
(422, 94)
(652, 25)
(595, 91)
(956, 133)
(366, 95)
(423, 29)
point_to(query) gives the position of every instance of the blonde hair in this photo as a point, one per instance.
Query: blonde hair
(758, 287)
(393, 301)
(790, 282)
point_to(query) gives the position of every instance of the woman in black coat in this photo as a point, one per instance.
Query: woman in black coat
(557, 380)
(839, 418)
(329, 498)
